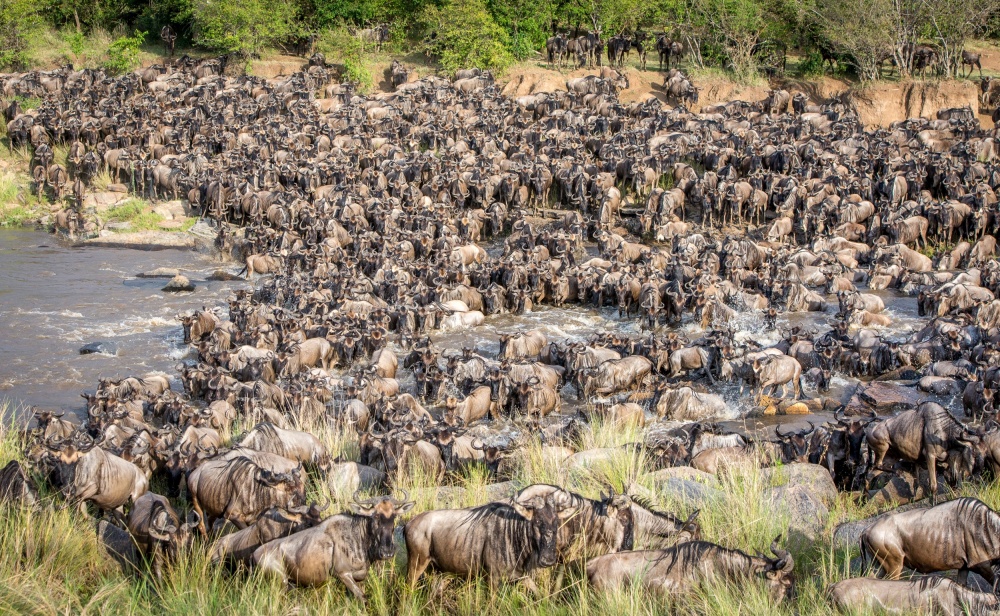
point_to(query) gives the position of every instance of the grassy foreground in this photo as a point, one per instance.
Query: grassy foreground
(53, 563)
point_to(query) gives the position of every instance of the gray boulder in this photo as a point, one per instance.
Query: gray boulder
(101, 346)
(807, 514)
(811, 477)
(177, 284)
(160, 272)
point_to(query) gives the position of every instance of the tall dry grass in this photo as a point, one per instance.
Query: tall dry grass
(53, 563)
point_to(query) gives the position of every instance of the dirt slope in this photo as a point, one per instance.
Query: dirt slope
(879, 104)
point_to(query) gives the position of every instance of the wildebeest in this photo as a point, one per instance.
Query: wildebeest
(962, 534)
(928, 594)
(16, 486)
(100, 477)
(925, 433)
(501, 541)
(683, 567)
(239, 490)
(342, 546)
(157, 530)
(292, 444)
(617, 375)
(275, 523)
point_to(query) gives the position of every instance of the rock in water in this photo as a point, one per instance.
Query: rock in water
(108, 348)
(223, 275)
(160, 272)
(178, 283)
(886, 397)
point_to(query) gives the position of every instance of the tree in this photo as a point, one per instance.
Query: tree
(736, 26)
(952, 22)
(244, 27)
(18, 20)
(527, 22)
(863, 30)
(463, 34)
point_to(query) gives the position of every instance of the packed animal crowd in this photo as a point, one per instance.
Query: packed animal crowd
(372, 224)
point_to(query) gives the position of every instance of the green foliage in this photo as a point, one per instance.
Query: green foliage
(811, 65)
(76, 40)
(335, 12)
(463, 34)
(339, 46)
(19, 19)
(175, 13)
(123, 53)
(527, 21)
(244, 27)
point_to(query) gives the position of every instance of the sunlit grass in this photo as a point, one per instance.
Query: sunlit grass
(53, 563)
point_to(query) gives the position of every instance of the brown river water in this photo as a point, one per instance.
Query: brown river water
(55, 297)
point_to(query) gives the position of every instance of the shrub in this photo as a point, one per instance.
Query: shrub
(18, 20)
(244, 27)
(123, 53)
(462, 34)
(341, 47)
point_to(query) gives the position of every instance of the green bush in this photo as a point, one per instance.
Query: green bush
(341, 47)
(18, 20)
(123, 53)
(811, 65)
(243, 27)
(462, 34)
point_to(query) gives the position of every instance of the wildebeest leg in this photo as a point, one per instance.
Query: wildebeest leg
(416, 565)
(196, 506)
(932, 473)
(348, 579)
(529, 583)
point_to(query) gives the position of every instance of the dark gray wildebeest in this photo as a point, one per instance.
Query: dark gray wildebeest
(684, 567)
(239, 490)
(962, 534)
(590, 527)
(16, 486)
(929, 433)
(501, 541)
(342, 546)
(292, 444)
(158, 531)
(275, 523)
(925, 595)
(616, 375)
(100, 477)
(972, 60)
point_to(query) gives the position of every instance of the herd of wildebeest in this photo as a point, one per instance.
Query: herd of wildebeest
(372, 223)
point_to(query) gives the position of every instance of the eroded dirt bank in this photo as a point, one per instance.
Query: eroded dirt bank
(879, 104)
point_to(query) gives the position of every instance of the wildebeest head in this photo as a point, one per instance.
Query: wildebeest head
(170, 537)
(778, 573)
(541, 513)
(381, 512)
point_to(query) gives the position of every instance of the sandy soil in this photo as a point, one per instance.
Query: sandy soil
(879, 105)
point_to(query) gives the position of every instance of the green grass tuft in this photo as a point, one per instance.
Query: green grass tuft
(53, 563)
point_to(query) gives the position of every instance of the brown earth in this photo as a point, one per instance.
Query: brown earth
(879, 104)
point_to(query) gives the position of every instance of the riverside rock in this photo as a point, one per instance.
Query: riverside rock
(178, 283)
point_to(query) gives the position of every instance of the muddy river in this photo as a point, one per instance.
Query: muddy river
(55, 298)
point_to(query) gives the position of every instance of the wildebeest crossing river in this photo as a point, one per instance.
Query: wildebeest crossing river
(55, 298)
